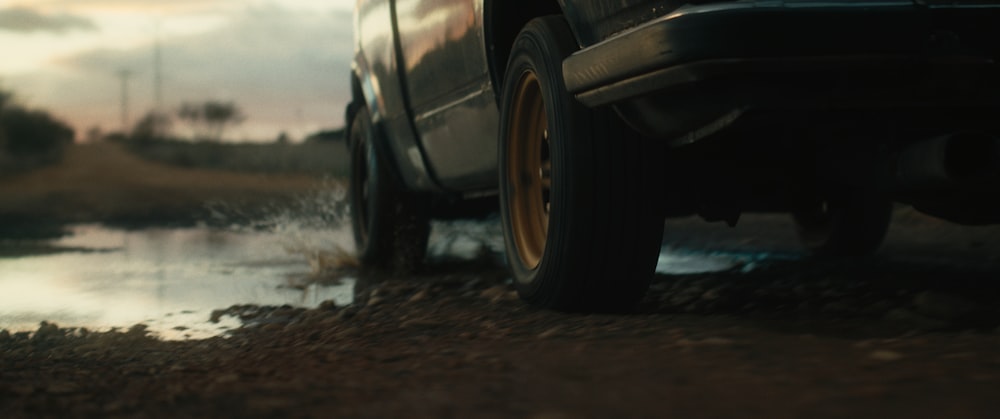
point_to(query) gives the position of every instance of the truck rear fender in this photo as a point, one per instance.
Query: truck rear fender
(376, 83)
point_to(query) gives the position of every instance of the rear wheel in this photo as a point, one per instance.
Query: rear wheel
(847, 223)
(581, 228)
(390, 232)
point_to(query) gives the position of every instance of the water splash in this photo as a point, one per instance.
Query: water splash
(315, 226)
(464, 240)
(297, 251)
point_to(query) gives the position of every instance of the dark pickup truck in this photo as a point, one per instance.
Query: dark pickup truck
(590, 121)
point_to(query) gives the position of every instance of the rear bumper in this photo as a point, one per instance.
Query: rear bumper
(702, 65)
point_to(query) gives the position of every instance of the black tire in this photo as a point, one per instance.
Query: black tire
(847, 223)
(581, 227)
(390, 232)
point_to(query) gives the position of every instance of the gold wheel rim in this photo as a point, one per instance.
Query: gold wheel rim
(529, 172)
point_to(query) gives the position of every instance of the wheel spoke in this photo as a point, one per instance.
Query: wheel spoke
(545, 172)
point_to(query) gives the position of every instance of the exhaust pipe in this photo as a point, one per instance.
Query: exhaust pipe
(955, 161)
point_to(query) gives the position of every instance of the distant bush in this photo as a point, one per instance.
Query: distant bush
(33, 132)
(332, 135)
(154, 126)
(326, 158)
(29, 138)
(209, 119)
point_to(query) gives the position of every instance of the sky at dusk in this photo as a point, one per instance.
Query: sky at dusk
(285, 63)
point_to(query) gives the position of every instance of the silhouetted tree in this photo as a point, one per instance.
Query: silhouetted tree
(153, 126)
(5, 98)
(210, 119)
(28, 131)
(24, 131)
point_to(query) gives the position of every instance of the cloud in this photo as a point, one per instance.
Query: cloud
(288, 71)
(25, 20)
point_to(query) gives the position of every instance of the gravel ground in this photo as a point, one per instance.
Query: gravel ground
(800, 338)
(910, 333)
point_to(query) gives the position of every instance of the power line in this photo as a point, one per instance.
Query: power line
(124, 75)
(157, 72)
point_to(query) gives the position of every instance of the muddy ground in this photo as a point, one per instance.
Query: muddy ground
(913, 332)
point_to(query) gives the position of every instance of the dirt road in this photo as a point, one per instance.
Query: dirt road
(904, 334)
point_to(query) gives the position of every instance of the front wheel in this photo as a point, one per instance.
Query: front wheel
(581, 226)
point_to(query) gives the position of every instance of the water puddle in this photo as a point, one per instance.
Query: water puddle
(682, 261)
(172, 279)
(168, 279)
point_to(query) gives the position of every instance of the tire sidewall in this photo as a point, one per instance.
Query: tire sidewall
(394, 231)
(362, 148)
(532, 52)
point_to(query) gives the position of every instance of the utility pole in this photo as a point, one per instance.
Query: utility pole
(124, 75)
(157, 72)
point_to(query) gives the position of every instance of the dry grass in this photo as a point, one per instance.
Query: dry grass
(103, 182)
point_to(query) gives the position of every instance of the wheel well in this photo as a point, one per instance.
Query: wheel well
(503, 20)
(356, 94)
(357, 100)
